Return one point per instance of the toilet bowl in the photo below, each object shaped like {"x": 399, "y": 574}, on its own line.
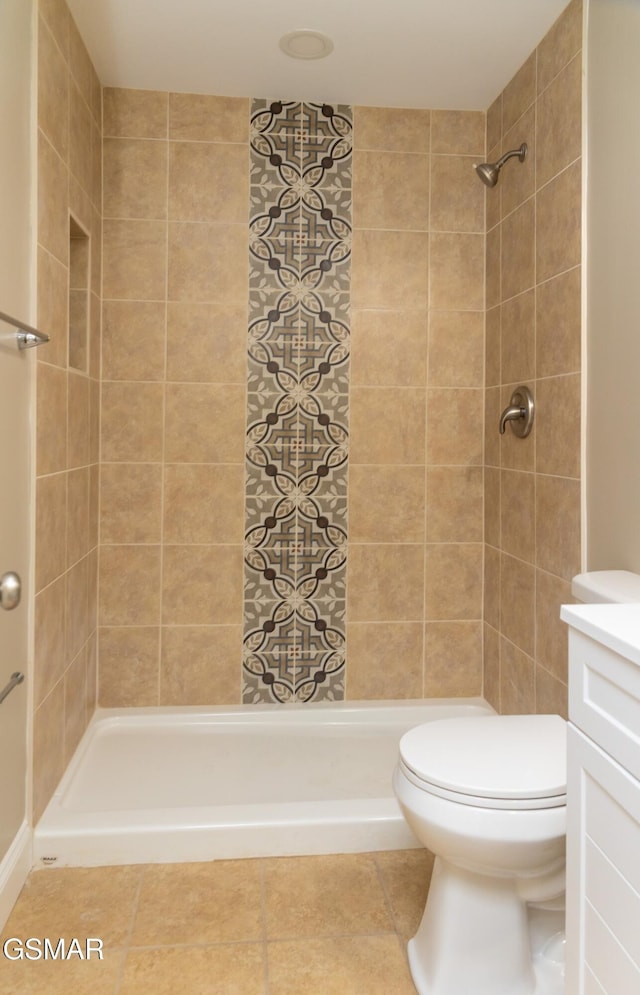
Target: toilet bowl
{"x": 487, "y": 795}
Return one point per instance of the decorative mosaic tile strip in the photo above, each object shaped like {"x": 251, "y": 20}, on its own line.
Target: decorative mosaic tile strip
{"x": 297, "y": 436}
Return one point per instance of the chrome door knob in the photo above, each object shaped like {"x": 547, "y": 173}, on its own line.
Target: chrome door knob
{"x": 10, "y": 591}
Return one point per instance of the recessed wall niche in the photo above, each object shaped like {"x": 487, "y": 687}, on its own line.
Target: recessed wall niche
{"x": 79, "y": 281}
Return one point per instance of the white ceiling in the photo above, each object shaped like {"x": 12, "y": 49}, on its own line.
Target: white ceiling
{"x": 454, "y": 54}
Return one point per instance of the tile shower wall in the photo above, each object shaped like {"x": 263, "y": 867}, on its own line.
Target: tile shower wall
{"x": 182, "y": 383}
{"x": 532, "y": 486}
{"x": 66, "y": 556}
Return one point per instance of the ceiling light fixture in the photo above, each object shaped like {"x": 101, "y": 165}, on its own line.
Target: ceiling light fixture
{"x": 306, "y": 44}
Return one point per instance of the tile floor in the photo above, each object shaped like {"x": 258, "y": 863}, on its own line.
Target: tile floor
{"x": 324, "y": 925}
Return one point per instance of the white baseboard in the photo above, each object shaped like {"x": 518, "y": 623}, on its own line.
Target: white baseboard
{"x": 14, "y": 870}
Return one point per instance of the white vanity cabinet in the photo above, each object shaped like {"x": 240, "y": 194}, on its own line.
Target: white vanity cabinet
{"x": 603, "y": 800}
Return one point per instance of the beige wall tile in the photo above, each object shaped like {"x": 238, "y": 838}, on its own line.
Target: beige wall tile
{"x": 520, "y": 93}
{"x": 492, "y": 565}
{"x": 131, "y": 502}
{"x": 203, "y": 503}
{"x": 77, "y": 515}
{"x": 49, "y": 638}
{"x": 454, "y": 504}
{"x": 392, "y": 129}
{"x": 79, "y": 424}
{"x": 129, "y": 585}
{"x": 517, "y": 603}
{"x": 53, "y": 217}
{"x": 559, "y": 404}
{"x": 129, "y": 666}
{"x": 491, "y": 672}
{"x": 517, "y": 502}
{"x": 202, "y": 585}
{"x": 390, "y": 190}
{"x": 48, "y": 748}
{"x": 205, "y": 423}
{"x": 552, "y": 696}
{"x": 389, "y": 269}
{"x": 558, "y": 224}
{"x": 551, "y": 631}
{"x": 135, "y": 113}
{"x": 458, "y": 132}
{"x": 387, "y": 425}
{"x": 56, "y": 16}
{"x": 385, "y": 583}
{"x": 75, "y": 703}
{"x": 560, "y": 44}
{"x": 135, "y": 178}
{"x": 492, "y": 411}
{"x": 135, "y": 260}
{"x": 133, "y": 340}
{"x": 518, "y": 345}
{"x": 53, "y": 306}
{"x": 493, "y": 332}
{"x": 131, "y": 422}
{"x": 384, "y": 660}
{"x": 559, "y": 123}
{"x": 453, "y": 659}
{"x": 53, "y": 90}
{"x": 207, "y": 342}
{"x": 518, "y": 251}
{"x": 518, "y": 179}
{"x": 396, "y": 514}
{"x": 454, "y": 426}
{"x": 196, "y": 117}
{"x": 517, "y": 682}
{"x": 77, "y": 613}
{"x": 558, "y": 324}
{"x": 208, "y": 182}
{"x": 494, "y": 122}
{"x": 457, "y": 198}
{"x": 51, "y": 517}
{"x": 51, "y": 419}
{"x": 493, "y": 267}
{"x": 207, "y": 262}
{"x": 388, "y": 348}
{"x": 456, "y": 272}
{"x": 200, "y": 664}
{"x": 492, "y": 505}
{"x": 456, "y": 343}
{"x": 80, "y": 140}
{"x": 453, "y": 586}
{"x": 558, "y": 525}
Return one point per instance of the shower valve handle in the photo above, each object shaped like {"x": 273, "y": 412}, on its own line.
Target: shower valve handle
{"x": 519, "y": 413}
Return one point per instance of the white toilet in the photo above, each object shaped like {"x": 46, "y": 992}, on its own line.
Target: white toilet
{"x": 487, "y": 795}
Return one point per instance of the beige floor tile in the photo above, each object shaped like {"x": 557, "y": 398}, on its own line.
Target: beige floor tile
{"x": 358, "y": 965}
{"x": 60, "y": 977}
{"x": 216, "y": 902}
{"x": 324, "y": 896}
{"x": 406, "y": 875}
{"x": 77, "y": 902}
{"x": 233, "y": 969}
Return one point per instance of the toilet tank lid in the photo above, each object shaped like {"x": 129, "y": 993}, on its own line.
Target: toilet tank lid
{"x": 606, "y": 586}
{"x": 495, "y": 756}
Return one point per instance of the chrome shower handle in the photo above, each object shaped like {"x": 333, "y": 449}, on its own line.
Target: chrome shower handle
{"x": 520, "y": 413}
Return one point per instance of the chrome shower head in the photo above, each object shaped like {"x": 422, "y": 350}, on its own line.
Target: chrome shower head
{"x": 490, "y": 171}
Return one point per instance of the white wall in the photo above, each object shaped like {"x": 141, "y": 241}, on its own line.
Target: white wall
{"x": 613, "y": 284}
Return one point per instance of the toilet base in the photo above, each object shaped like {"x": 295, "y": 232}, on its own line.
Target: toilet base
{"x": 475, "y": 937}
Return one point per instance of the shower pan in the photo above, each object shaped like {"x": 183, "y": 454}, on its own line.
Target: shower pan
{"x": 151, "y": 785}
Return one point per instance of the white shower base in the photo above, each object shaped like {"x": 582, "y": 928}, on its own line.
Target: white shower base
{"x": 150, "y": 785}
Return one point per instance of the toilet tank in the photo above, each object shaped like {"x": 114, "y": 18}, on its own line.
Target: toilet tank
{"x": 606, "y": 586}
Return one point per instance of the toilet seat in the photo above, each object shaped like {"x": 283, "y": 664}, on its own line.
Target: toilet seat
{"x": 498, "y": 761}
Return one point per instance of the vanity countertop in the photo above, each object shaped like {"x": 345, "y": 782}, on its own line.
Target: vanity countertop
{"x": 615, "y": 626}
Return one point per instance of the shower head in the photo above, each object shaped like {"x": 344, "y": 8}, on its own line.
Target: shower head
{"x": 489, "y": 171}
